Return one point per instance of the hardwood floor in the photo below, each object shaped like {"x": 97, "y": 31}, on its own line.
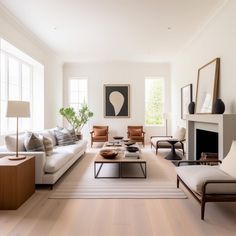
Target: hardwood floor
{"x": 144, "y": 217}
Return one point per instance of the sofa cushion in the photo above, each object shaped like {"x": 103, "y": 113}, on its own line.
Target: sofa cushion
{"x": 195, "y": 176}
{"x": 33, "y": 143}
{"x": 10, "y": 141}
{"x": 48, "y": 145}
{"x": 63, "y": 137}
{"x": 56, "y": 161}
{"x": 100, "y": 131}
{"x": 74, "y": 148}
{"x": 229, "y": 162}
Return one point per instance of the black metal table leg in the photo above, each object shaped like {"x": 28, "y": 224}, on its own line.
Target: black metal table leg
{"x": 97, "y": 173}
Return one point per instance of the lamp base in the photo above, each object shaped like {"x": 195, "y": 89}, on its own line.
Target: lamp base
{"x": 14, "y": 158}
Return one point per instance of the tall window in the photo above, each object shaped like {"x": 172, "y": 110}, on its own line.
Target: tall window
{"x": 154, "y": 100}
{"x": 78, "y": 92}
{"x": 18, "y": 81}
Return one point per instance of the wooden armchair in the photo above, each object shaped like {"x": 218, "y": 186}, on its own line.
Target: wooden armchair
{"x": 136, "y": 133}
{"x": 99, "y": 134}
{"x": 209, "y": 183}
{"x": 161, "y": 141}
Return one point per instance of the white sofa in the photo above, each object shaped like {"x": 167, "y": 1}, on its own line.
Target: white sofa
{"x": 48, "y": 169}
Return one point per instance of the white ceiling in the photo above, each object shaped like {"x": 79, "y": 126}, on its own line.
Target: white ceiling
{"x": 144, "y": 30}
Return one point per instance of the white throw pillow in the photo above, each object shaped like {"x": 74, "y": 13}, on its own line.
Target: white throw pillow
{"x": 180, "y": 133}
{"x": 10, "y": 142}
{"x": 229, "y": 162}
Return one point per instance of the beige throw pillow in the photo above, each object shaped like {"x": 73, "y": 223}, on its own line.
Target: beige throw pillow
{"x": 33, "y": 143}
{"x": 48, "y": 145}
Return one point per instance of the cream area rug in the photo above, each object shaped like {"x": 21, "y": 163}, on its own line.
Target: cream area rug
{"x": 79, "y": 181}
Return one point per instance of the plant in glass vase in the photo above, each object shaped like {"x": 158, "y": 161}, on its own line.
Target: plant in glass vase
{"x": 77, "y": 119}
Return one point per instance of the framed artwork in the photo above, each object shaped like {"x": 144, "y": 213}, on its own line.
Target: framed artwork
{"x": 186, "y": 98}
{"x": 116, "y": 100}
{"x": 207, "y": 86}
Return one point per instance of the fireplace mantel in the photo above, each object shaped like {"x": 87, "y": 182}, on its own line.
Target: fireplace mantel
{"x": 223, "y": 124}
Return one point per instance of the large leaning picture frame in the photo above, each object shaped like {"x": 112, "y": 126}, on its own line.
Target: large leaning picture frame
{"x": 186, "y": 98}
{"x": 207, "y": 87}
{"x": 116, "y": 100}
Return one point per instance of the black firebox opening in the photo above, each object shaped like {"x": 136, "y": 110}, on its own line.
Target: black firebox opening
{"x": 207, "y": 141}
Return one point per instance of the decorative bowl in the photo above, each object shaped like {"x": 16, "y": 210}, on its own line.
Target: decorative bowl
{"x": 132, "y": 149}
{"x": 129, "y": 143}
{"x": 126, "y": 140}
{"x": 118, "y": 137}
{"x": 108, "y": 153}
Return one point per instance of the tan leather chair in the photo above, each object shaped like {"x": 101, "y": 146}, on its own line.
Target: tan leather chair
{"x": 99, "y": 134}
{"x": 136, "y": 133}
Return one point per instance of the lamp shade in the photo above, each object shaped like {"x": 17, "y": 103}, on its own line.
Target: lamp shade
{"x": 18, "y": 109}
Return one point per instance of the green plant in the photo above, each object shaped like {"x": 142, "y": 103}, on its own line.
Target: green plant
{"x": 76, "y": 119}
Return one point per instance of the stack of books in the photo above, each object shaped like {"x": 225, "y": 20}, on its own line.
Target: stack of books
{"x": 132, "y": 154}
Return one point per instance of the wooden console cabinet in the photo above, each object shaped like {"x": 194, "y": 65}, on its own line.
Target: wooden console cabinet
{"x": 17, "y": 182}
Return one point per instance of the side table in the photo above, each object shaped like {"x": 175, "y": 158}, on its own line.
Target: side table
{"x": 17, "y": 182}
{"x": 173, "y": 155}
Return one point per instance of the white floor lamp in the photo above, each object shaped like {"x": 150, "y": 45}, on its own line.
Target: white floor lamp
{"x": 17, "y": 109}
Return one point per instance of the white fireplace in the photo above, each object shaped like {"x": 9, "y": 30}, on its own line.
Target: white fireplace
{"x": 223, "y": 124}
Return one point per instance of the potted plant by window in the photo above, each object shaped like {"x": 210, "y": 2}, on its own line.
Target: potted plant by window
{"x": 77, "y": 119}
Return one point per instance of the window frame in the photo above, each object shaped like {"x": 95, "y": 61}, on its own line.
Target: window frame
{"x": 69, "y": 90}
{"x": 163, "y": 97}
{"x": 7, "y": 55}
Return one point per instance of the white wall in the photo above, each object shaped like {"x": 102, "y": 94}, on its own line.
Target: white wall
{"x": 118, "y": 73}
{"x": 217, "y": 39}
{"x": 24, "y": 40}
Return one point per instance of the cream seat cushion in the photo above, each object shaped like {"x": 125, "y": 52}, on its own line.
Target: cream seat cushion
{"x": 164, "y": 144}
{"x": 195, "y": 176}
{"x": 56, "y": 161}
{"x": 73, "y": 148}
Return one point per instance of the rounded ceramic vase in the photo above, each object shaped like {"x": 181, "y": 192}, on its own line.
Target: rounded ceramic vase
{"x": 219, "y": 107}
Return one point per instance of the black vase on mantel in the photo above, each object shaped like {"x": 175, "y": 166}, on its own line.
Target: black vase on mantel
{"x": 191, "y": 107}
{"x": 219, "y": 107}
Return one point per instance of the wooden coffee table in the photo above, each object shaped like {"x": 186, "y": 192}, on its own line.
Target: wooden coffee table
{"x": 120, "y": 160}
